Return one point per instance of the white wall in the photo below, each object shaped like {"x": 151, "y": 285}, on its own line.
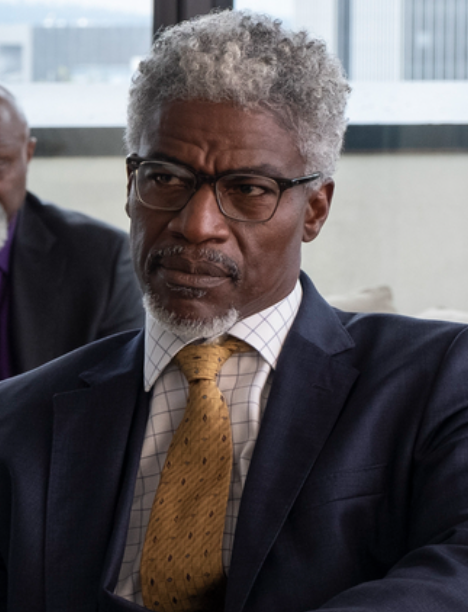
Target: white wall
{"x": 94, "y": 185}
{"x": 396, "y": 219}
{"x": 399, "y": 220}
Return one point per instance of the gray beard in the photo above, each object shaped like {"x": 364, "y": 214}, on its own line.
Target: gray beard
{"x": 3, "y": 226}
{"x": 189, "y": 329}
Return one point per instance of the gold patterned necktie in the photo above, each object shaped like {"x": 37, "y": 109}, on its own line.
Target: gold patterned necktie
{"x": 181, "y": 567}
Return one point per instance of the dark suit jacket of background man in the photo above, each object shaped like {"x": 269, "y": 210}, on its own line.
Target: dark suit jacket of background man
{"x": 72, "y": 282}
{"x": 357, "y": 494}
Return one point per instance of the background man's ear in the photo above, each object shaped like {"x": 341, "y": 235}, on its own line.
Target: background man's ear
{"x": 31, "y": 147}
{"x": 317, "y": 210}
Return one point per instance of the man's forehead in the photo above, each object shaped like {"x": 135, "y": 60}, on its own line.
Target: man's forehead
{"x": 222, "y": 130}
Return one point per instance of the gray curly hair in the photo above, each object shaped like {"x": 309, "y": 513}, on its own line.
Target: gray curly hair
{"x": 252, "y": 61}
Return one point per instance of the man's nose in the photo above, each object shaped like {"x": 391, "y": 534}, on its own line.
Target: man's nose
{"x": 201, "y": 220}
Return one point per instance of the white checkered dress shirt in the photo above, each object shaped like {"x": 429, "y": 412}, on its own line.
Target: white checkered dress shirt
{"x": 245, "y": 381}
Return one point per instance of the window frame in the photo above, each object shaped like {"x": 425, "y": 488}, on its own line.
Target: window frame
{"x": 108, "y": 141}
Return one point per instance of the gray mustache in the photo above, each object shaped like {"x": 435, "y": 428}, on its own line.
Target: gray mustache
{"x": 208, "y": 255}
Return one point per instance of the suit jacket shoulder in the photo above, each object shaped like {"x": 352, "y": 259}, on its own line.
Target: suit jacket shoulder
{"x": 72, "y": 283}
{"x": 358, "y": 484}
{"x": 70, "y": 433}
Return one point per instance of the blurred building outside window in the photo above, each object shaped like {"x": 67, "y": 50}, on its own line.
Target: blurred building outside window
{"x": 399, "y": 212}
{"x": 79, "y": 53}
{"x": 407, "y": 60}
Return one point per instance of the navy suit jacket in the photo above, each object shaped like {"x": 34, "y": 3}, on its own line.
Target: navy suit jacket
{"x": 72, "y": 283}
{"x": 356, "y": 498}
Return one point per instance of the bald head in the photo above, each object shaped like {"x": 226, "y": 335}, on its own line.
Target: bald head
{"x": 16, "y": 150}
{"x": 9, "y": 104}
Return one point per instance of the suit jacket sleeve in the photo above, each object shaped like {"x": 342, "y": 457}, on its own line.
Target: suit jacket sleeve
{"x": 356, "y": 498}
{"x": 433, "y": 574}
{"x": 3, "y": 587}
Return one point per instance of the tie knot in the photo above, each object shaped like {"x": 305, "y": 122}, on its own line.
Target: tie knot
{"x": 204, "y": 361}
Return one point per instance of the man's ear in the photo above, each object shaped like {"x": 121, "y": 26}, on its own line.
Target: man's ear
{"x": 317, "y": 210}
{"x": 31, "y": 147}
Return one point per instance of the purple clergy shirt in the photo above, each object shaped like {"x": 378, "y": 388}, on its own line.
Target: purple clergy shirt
{"x": 5, "y": 291}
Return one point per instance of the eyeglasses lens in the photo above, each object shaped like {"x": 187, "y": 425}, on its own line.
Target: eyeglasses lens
{"x": 249, "y": 197}
{"x": 164, "y": 186}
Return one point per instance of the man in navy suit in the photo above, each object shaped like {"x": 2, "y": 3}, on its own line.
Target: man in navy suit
{"x": 349, "y": 485}
{"x": 65, "y": 279}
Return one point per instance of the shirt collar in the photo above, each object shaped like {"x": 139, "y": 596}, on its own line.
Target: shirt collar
{"x": 265, "y": 331}
{"x": 5, "y": 251}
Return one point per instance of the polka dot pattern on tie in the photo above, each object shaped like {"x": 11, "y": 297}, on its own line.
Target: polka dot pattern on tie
{"x": 181, "y": 566}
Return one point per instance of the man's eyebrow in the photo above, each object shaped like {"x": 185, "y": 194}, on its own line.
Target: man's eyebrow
{"x": 158, "y": 156}
{"x": 263, "y": 169}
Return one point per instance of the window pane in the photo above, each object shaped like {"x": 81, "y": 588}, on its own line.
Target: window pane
{"x": 407, "y": 59}
{"x": 70, "y": 61}
{"x": 397, "y": 219}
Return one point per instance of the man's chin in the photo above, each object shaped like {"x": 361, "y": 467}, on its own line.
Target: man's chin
{"x": 186, "y": 327}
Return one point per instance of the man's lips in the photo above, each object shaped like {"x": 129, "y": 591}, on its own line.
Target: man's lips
{"x": 199, "y": 268}
{"x": 197, "y": 274}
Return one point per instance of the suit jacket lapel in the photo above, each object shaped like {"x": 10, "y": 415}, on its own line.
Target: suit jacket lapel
{"x": 34, "y": 257}
{"x": 98, "y": 430}
{"x": 309, "y": 389}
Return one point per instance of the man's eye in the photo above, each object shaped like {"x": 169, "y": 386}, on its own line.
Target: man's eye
{"x": 250, "y": 187}
{"x": 165, "y": 179}
{"x": 250, "y": 190}
{"x": 247, "y": 189}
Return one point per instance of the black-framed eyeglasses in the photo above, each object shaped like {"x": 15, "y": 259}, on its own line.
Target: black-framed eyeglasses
{"x": 165, "y": 186}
